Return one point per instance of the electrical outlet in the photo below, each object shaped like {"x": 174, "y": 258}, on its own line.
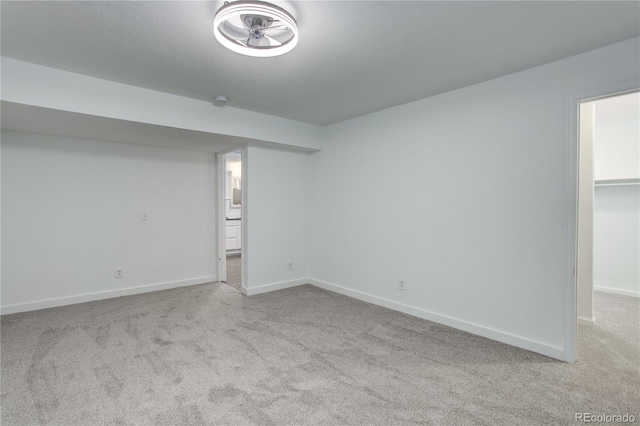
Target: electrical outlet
{"x": 291, "y": 266}
{"x": 119, "y": 273}
{"x": 401, "y": 285}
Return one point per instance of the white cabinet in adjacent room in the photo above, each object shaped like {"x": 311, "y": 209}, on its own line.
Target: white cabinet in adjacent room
{"x": 234, "y": 234}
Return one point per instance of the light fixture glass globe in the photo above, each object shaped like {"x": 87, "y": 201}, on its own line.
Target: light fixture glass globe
{"x": 255, "y": 28}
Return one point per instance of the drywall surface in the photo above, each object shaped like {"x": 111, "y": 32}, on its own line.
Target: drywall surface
{"x": 30, "y": 84}
{"x": 464, "y": 196}
{"x": 616, "y": 224}
{"x": 72, "y": 214}
{"x": 616, "y": 133}
{"x": 277, "y": 218}
{"x": 616, "y": 240}
{"x": 585, "y": 215}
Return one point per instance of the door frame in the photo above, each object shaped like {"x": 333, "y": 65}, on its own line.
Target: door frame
{"x": 572, "y": 185}
{"x": 221, "y": 214}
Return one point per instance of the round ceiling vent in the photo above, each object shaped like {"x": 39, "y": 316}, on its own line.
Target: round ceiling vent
{"x": 255, "y": 28}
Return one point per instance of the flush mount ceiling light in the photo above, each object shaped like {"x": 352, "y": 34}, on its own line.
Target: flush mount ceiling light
{"x": 255, "y": 28}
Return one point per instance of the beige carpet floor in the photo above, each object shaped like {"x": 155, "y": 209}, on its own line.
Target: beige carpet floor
{"x": 209, "y": 355}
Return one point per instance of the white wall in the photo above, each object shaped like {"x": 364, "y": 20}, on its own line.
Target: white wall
{"x": 278, "y": 185}
{"x": 71, "y": 215}
{"x": 616, "y": 240}
{"x": 616, "y": 224}
{"x": 235, "y": 167}
{"x": 482, "y": 235}
{"x": 585, "y": 215}
{"x": 617, "y": 130}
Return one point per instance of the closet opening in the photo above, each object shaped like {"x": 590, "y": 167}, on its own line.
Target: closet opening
{"x": 608, "y": 227}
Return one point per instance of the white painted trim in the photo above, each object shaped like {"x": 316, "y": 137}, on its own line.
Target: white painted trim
{"x": 100, "y": 295}
{"x": 612, "y": 290}
{"x": 221, "y": 216}
{"x": 274, "y": 286}
{"x": 571, "y": 186}
{"x": 489, "y": 333}
{"x": 587, "y": 321}
{"x": 244, "y": 220}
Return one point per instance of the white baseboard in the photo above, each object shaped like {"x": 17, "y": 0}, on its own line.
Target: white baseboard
{"x": 510, "y": 339}
{"x": 274, "y": 286}
{"x": 586, "y": 321}
{"x": 489, "y": 333}
{"x": 617, "y": 291}
{"x": 90, "y": 297}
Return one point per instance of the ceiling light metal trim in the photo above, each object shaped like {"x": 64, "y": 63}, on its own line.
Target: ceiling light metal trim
{"x": 257, "y": 20}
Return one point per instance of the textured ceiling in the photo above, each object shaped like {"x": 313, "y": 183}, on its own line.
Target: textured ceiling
{"x": 353, "y": 58}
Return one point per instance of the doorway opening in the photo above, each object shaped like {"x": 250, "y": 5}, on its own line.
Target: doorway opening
{"x": 608, "y": 228}
{"x": 232, "y": 247}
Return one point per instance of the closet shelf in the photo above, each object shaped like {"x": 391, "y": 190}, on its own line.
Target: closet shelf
{"x": 617, "y": 182}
